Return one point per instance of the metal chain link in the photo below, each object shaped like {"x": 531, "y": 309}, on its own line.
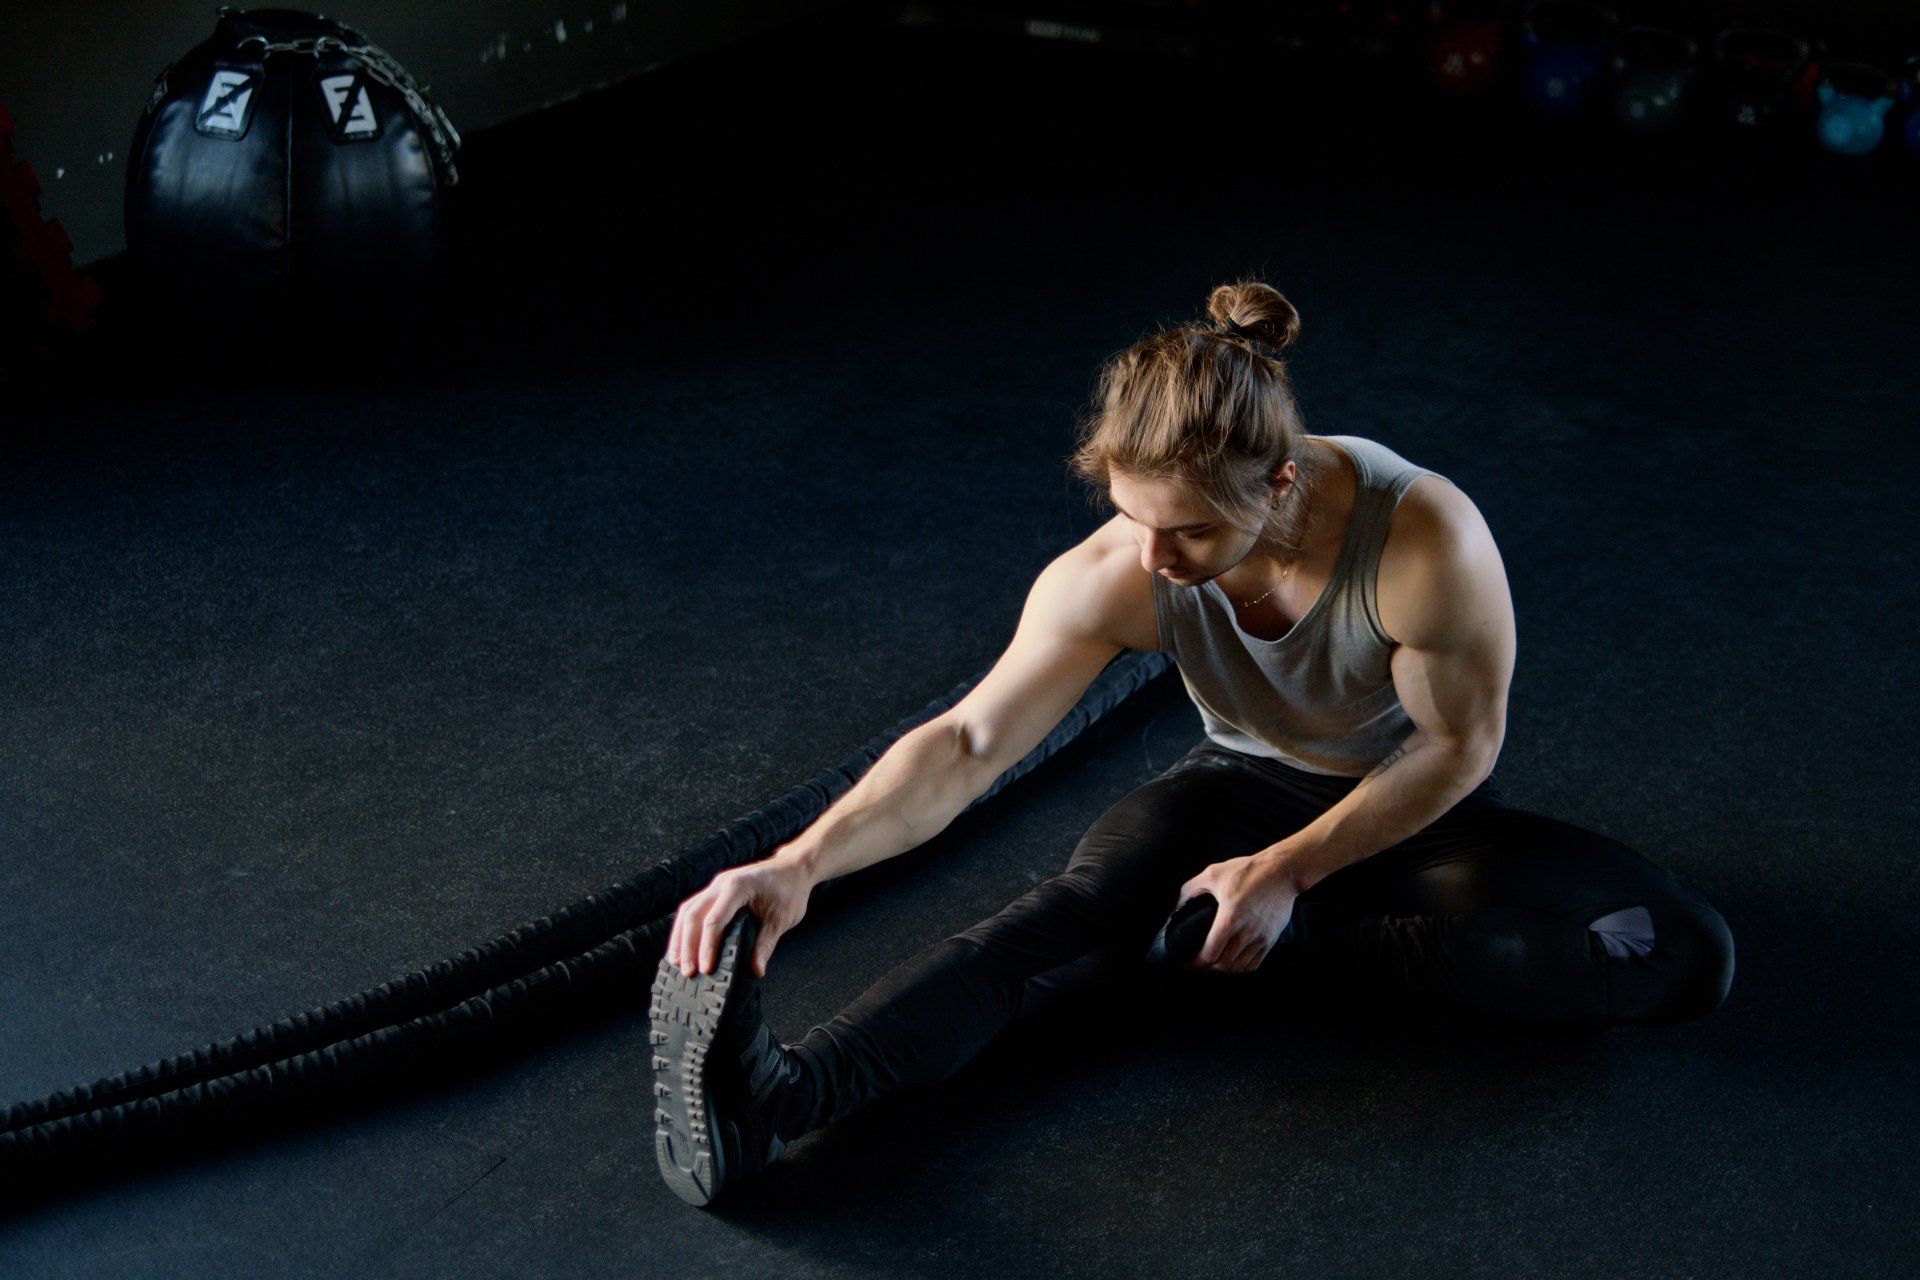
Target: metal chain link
{"x": 379, "y": 65}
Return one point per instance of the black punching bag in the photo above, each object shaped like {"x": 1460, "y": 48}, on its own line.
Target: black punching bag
{"x": 286, "y": 157}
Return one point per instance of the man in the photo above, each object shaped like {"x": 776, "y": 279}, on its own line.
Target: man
{"x": 1342, "y": 621}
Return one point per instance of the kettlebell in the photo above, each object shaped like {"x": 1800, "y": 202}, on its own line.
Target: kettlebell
{"x": 1755, "y": 70}
{"x": 1564, "y": 47}
{"x": 1910, "y": 103}
{"x": 1854, "y": 99}
{"x": 1652, "y": 68}
{"x": 1463, "y": 55}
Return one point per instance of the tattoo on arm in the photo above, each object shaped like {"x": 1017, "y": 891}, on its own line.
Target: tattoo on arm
{"x": 1385, "y": 764}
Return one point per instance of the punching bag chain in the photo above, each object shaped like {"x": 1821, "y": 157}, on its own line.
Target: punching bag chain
{"x": 378, "y": 64}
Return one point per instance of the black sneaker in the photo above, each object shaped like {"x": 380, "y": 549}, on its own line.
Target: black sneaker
{"x": 1184, "y": 933}
{"x": 723, "y": 1088}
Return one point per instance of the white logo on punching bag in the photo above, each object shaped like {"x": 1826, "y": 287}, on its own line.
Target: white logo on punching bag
{"x": 223, "y": 112}
{"x": 347, "y": 99}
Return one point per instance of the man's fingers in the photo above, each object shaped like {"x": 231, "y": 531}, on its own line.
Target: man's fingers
{"x": 716, "y": 928}
{"x": 1216, "y": 942}
{"x": 700, "y": 926}
{"x": 1226, "y": 951}
{"x": 687, "y": 951}
{"x": 690, "y": 940}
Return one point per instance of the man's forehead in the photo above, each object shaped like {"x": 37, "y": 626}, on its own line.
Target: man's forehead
{"x": 1160, "y": 504}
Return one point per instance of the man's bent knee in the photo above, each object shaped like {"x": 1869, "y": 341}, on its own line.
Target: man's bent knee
{"x": 1694, "y": 948}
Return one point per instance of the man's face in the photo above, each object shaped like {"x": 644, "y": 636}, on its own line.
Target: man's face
{"x": 1181, "y": 536}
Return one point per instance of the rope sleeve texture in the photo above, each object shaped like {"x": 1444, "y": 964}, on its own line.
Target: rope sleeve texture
{"x": 515, "y": 984}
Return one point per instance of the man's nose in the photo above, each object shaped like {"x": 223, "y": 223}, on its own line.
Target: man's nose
{"x": 1155, "y": 553}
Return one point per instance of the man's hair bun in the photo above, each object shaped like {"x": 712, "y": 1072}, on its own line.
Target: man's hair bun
{"x": 1257, "y": 311}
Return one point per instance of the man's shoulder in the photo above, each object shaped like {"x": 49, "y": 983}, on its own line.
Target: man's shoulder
{"x": 1431, "y": 509}
{"x": 1437, "y": 542}
{"x": 1100, "y": 584}
{"x": 1433, "y": 499}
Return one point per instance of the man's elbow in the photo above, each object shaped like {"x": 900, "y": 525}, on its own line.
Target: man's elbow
{"x": 1478, "y": 754}
{"x": 1473, "y": 754}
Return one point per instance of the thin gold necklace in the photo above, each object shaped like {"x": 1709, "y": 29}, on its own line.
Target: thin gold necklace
{"x": 1248, "y": 604}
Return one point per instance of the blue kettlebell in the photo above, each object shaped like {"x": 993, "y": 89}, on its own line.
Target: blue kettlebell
{"x": 1910, "y": 97}
{"x": 1564, "y": 49}
{"x": 1854, "y": 100}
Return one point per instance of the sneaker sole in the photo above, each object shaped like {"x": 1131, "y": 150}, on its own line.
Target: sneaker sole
{"x": 686, "y": 1013}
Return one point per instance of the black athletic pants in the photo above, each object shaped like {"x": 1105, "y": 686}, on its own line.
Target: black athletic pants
{"x": 1489, "y": 908}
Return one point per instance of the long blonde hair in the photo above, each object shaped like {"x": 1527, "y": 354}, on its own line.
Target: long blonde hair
{"x": 1208, "y": 407}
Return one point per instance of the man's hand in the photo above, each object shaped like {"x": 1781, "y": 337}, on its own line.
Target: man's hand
{"x": 775, "y": 889}
{"x": 1256, "y": 896}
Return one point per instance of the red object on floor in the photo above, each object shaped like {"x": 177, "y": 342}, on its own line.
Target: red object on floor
{"x": 52, "y": 299}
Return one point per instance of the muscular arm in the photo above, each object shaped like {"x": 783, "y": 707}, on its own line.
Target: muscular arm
{"x": 1446, "y": 603}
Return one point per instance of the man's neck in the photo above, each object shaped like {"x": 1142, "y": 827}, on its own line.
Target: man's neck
{"x": 1301, "y": 537}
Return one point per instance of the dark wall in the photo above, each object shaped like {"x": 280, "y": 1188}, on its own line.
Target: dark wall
{"x": 74, "y": 73}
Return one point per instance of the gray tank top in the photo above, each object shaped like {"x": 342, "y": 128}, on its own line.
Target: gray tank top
{"x": 1321, "y": 697}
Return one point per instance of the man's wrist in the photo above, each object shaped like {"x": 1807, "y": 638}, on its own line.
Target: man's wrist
{"x": 801, "y": 854}
{"x": 1285, "y": 863}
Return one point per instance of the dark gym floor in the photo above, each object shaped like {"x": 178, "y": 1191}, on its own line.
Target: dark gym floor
{"x": 740, "y": 439}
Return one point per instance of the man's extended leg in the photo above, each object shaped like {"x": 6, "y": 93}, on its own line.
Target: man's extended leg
{"x": 728, "y": 1096}
{"x": 929, "y": 1016}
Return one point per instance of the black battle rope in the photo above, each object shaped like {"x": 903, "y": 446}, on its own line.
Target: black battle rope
{"x": 601, "y": 943}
